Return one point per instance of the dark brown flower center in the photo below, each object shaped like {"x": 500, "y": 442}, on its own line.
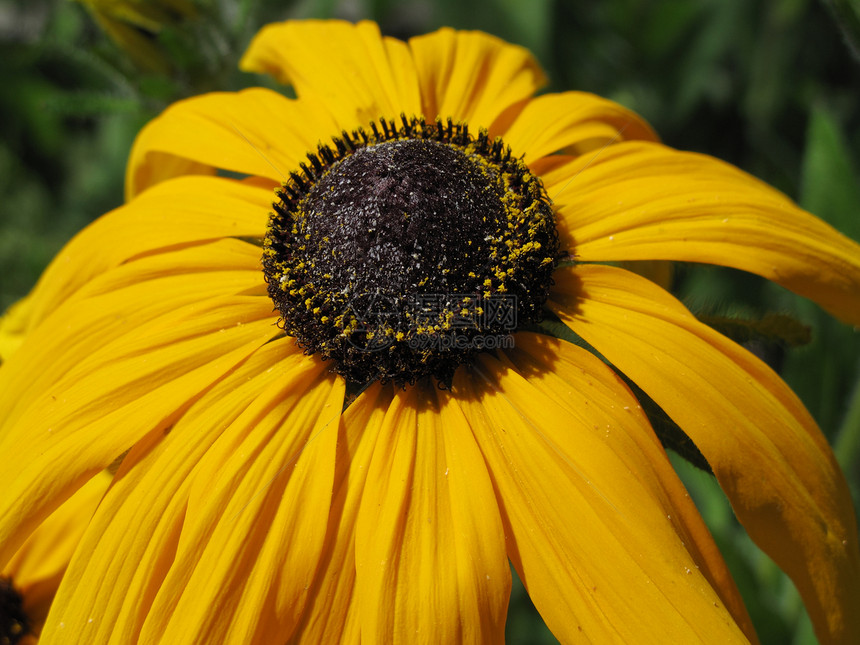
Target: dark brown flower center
{"x": 14, "y": 623}
{"x": 399, "y": 253}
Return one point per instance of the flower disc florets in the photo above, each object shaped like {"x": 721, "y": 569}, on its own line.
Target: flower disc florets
{"x": 400, "y": 252}
{"x": 14, "y": 624}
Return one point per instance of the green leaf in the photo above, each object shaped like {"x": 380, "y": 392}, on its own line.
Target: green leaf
{"x": 847, "y": 446}
{"x": 91, "y": 103}
{"x": 829, "y": 185}
{"x": 823, "y": 372}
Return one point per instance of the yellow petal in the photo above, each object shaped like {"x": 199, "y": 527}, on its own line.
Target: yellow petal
{"x": 154, "y": 167}
{"x": 228, "y": 256}
{"x": 594, "y": 541}
{"x": 256, "y": 132}
{"x": 38, "y": 566}
{"x": 157, "y": 506}
{"x": 588, "y": 390}
{"x": 769, "y": 457}
{"x": 185, "y": 211}
{"x": 572, "y": 120}
{"x": 256, "y": 519}
{"x": 13, "y": 327}
{"x": 643, "y": 201}
{"x": 332, "y": 611}
{"x": 430, "y": 549}
{"x": 116, "y": 304}
{"x": 350, "y": 69}
{"x": 472, "y": 76}
{"x": 130, "y": 387}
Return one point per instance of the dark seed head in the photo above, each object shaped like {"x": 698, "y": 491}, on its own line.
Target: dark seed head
{"x": 14, "y": 624}
{"x": 398, "y": 253}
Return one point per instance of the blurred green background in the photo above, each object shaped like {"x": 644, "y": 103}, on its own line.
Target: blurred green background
{"x": 771, "y": 86}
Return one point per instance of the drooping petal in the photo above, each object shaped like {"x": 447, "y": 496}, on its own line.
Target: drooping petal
{"x": 38, "y": 566}
{"x": 332, "y": 611}
{"x": 430, "y": 549}
{"x": 167, "y": 496}
{"x": 182, "y": 212}
{"x": 119, "y": 302}
{"x": 587, "y": 518}
{"x": 256, "y": 132}
{"x": 472, "y": 76}
{"x": 355, "y": 73}
{"x": 769, "y": 457}
{"x": 256, "y": 518}
{"x": 135, "y": 385}
{"x": 643, "y": 201}
{"x": 588, "y": 390}
{"x": 572, "y": 120}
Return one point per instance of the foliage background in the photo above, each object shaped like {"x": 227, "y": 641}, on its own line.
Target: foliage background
{"x": 769, "y": 85}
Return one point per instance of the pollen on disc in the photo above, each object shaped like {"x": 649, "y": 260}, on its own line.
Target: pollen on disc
{"x": 391, "y": 245}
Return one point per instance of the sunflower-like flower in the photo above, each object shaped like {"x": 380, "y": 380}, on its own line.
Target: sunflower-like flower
{"x": 298, "y": 336}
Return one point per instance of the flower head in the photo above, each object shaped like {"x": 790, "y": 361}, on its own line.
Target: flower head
{"x": 263, "y": 353}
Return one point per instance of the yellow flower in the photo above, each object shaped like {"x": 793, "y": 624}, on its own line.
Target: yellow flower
{"x": 252, "y": 507}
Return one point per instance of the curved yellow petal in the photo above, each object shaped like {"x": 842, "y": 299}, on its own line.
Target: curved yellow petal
{"x": 592, "y": 538}
{"x": 643, "y": 201}
{"x": 769, "y": 457}
{"x": 227, "y": 256}
{"x": 38, "y": 566}
{"x": 118, "y": 303}
{"x": 256, "y": 132}
{"x": 571, "y": 120}
{"x": 585, "y": 387}
{"x": 13, "y": 327}
{"x": 430, "y": 549}
{"x": 256, "y": 519}
{"x": 146, "y": 516}
{"x": 182, "y": 212}
{"x": 332, "y": 611}
{"x": 154, "y": 167}
{"x": 350, "y": 69}
{"x": 130, "y": 387}
{"x": 472, "y": 76}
